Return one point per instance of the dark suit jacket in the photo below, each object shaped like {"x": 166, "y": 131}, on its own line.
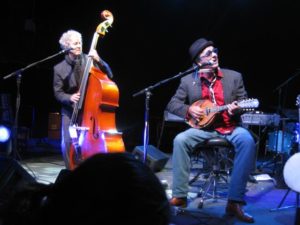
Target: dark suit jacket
{"x": 189, "y": 91}
{"x": 65, "y": 84}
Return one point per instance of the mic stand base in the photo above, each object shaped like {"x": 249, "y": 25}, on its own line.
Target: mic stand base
{"x": 146, "y": 127}
{"x": 279, "y": 207}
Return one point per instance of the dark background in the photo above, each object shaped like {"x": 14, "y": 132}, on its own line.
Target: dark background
{"x": 149, "y": 42}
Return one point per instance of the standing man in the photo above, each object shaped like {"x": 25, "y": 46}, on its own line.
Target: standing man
{"x": 221, "y": 87}
{"x": 67, "y": 79}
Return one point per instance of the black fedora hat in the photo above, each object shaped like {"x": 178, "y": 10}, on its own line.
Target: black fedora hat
{"x": 198, "y": 46}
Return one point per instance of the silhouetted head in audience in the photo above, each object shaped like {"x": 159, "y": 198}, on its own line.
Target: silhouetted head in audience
{"x": 22, "y": 204}
{"x": 112, "y": 188}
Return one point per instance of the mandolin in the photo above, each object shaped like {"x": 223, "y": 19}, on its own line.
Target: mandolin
{"x": 211, "y": 111}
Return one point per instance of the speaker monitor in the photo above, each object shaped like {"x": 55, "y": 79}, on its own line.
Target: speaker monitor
{"x": 156, "y": 159}
{"x": 13, "y": 177}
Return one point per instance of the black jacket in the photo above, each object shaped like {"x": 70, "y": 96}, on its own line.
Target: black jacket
{"x": 65, "y": 83}
{"x": 189, "y": 91}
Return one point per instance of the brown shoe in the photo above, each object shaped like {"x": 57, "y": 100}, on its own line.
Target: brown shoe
{"x": 179, "y": 202}
{"x": 236, "y": 209}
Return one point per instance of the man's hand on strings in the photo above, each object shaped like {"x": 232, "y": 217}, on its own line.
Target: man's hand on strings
{"x": 93, "y": 53}
{"x": 75, "y": 97}
{"x": 195, "y": 111}
{"x": 232, "y": 107}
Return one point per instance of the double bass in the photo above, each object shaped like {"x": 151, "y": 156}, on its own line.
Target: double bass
{"x": 93, "y": 127}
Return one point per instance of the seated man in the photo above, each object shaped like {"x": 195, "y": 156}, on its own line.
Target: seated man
{"x": 219, "y": 87}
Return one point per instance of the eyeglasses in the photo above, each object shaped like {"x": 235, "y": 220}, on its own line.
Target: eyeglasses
{"x": 210, "y": 52}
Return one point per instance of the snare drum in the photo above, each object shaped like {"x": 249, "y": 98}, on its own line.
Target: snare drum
{"x": 274, "y": 142}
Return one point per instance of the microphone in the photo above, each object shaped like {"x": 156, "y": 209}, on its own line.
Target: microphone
{"x": 205, "y": 64}
{"x": 66, "y": 50}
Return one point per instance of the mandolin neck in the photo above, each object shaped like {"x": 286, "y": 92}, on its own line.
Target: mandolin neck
{"x": 216, "y": 109}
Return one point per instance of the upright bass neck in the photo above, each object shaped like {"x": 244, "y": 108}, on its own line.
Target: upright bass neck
{"x": 100, "y": 32}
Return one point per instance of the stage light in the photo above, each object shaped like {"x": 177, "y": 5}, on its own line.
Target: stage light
{"x": 4, "y": 134}
{"x": 5, "y": 140}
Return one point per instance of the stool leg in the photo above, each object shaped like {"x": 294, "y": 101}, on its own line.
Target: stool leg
{"x": 195, "y": 177}
{"x": 211, "y": 181}
{"x": 214, "y": 193}
{"x": 204, "y": 192}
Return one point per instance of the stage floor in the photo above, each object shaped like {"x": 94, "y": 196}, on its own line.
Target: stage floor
{"x": 262, "y": 197}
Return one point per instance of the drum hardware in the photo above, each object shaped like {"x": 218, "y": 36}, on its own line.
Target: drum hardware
{"x": 291, "y": 176}
{"x": 291, "y": 173}
{"x": 279, "y": 141}
{"x": 274, "y": 143}
{"x": 260, "y": 123}
{"x": 259, "y": 135}
{"x": 274, "y": 164}
{"x": 297, "y": 134}
{"x": 282, "y": 143}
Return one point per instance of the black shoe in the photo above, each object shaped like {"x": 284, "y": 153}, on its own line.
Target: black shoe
{"x": 236, "y": 209}
{"x": 179, "y": 202}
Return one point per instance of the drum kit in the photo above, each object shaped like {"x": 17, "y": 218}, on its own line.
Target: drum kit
{"x": 279, "y": 136}
{"x": 291, "y": 167}
{"x": 280, "y": 142}
{"x": 281, "y": 145}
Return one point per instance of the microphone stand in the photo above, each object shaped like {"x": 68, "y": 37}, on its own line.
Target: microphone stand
{"x": 147, "y": 92}
{"x": 279, "y": 89}
{"x": 280, "y": 112}
{"x": 18, "y": 75}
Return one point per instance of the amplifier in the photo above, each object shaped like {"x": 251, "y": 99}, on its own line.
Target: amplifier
{"x": 261, "y": 119}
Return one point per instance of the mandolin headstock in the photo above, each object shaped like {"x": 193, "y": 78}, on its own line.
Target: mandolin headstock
{"x": 248, "y": 104}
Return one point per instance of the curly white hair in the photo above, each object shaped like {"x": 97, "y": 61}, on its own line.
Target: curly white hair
{"x": 65, "y": 39}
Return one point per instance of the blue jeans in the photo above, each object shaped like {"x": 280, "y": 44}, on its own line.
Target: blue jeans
{"x": 184, "y": 144}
